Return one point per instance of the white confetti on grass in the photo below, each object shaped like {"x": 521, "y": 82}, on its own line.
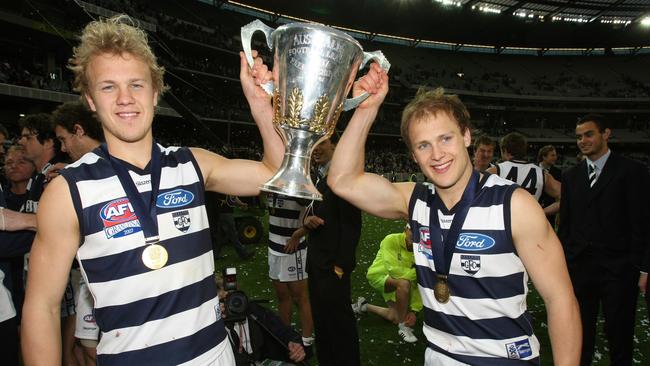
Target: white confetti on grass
{"x": 378, "y": 339}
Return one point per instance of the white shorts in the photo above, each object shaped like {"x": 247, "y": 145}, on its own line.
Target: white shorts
{"x": 85, "y": 328}
{"x": 288, "y": 268}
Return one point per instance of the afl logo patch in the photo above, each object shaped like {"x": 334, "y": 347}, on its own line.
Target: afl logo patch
{"x": 176, "y": 198}
{"x": 474, "y": 242}
{"x": 119, "y": 218}
{"x": 89, "y": 318}
{"x": 117, "y": 211}
{"x": 424, "y": 243}
{"x": 425, "y": 237}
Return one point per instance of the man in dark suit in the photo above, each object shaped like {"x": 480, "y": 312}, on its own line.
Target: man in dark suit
{"x": 602, "y": 230}
{"x": 334, "y": 231}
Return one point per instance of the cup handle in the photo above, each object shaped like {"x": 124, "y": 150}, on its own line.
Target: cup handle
{"x": 247, "y": 32}
{"x": 378, "y": 56}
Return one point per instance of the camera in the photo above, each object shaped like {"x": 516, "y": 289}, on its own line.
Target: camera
{"x": 236, "y": 301}
{"x": 229, "y": 276}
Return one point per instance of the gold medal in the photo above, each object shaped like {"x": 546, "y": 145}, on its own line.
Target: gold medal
{"x": 441, "y": 289}
{"x": 154, "y": 256}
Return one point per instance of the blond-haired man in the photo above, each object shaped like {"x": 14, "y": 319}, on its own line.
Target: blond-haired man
{"x": 133, "y": 214}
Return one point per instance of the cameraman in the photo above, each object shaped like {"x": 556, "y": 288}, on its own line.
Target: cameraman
{"x": 256, "y": 333}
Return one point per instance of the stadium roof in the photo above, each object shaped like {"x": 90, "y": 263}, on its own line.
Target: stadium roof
{"x": 587, "y": 25}
{"x": 617, "y": 12}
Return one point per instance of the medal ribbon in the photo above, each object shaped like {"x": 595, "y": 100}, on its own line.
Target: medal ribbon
{"x": 443, "y": 246}
{"x": 145, "y": 211}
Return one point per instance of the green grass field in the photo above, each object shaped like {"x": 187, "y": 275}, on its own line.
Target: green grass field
{"x": 380, "y": 344}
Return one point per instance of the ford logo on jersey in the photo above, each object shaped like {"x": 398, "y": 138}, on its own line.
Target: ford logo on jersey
{"x": 474, "y": 242}
{"x": 176, "y": 198}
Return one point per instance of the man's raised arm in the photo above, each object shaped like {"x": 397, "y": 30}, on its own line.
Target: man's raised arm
{"x": 370, "y": 192}
{"x": 52, "y": 253}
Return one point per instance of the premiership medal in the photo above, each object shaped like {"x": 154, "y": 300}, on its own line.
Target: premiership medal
{"x": 443, "y": 244}
{"x": 441, "y": 289}
{"x": 154, "y": 256}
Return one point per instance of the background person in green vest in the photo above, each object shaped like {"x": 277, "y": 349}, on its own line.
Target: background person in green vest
{"x": 393, "y": 274}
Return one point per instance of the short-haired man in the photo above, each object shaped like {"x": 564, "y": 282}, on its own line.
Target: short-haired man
{"x": 288, "y": 260}
{"x": 41, "y": 147}
{"x": 16, "y": 235}
{"x": 603, "y": 228}
{"x": 18, "y": 171}
{"x": 39, "y": 142}
{"x": 133, "y": 214}
{"x": 483, "y": 152}
{"x": 260, "y": 337}
{"x": 77, "y": 129}
{"x": 13, "y": 236}
{"x": 476, "y": 237}
{"x": 515, "y": 168}
{"x": 334, "y": 228}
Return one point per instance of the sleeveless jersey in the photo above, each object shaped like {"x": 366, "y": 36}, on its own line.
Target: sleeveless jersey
{"x": 527, "y": 175}
{"x": 285, "y": 216}
{"x": 485, "y": 321}
{"x": 167, "y": 316}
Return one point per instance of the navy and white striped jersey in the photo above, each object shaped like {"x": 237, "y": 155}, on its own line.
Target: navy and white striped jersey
{"x": 286, "y": 215}
{"x": 485, "y": 321}
{"x": 527, "y": 175}
{"x": 167, "y": 316}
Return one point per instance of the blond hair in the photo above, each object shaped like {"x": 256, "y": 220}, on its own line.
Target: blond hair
{"x": 116, "y": 35}
{"x": 430, "y": 103}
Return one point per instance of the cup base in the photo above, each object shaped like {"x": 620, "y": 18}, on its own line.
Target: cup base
{"x": 303, "y": 194}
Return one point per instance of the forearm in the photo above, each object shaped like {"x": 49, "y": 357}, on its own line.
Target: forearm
{"x": 565, "y": 330}
{"x": 12, "y": 220}
{"x": 551, "y": 186}
{"x": 252, "y": 77}
{"x": 300, "y": 232}
{"x": 271, "y": 140}
{"x": 40, "y": 335}
{"x": 552, "y": 209}
{"x": 349, "y": 157}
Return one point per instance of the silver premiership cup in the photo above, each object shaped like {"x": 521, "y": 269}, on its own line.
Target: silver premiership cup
{"x": 314, "y": 68}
